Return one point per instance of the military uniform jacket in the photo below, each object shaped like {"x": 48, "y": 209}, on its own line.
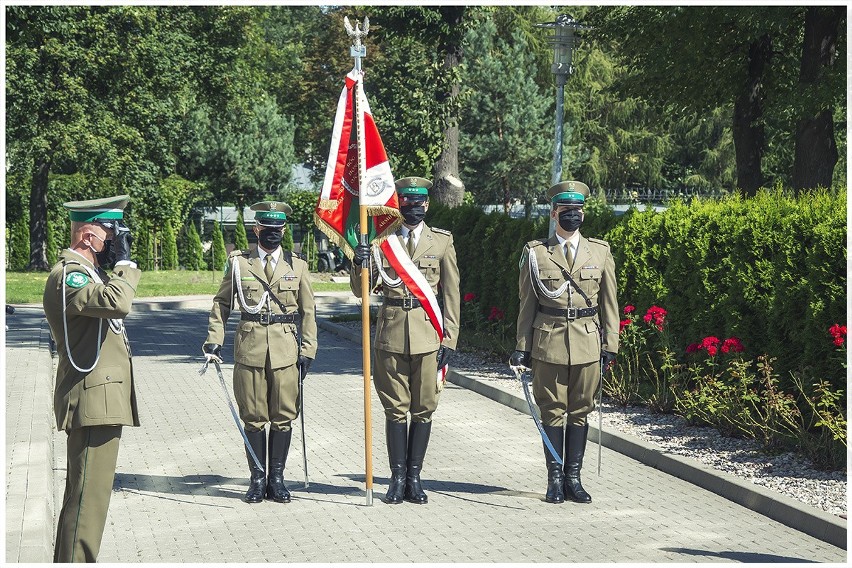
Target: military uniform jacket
{"x": 555, "y": 339}
{"x": 104, "y": 396}
{"x": 291, "y": 285}
{"x": 410, "y": 331}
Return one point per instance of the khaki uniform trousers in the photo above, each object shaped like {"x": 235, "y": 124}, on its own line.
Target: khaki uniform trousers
{"x": 560, "y": 389}
{"x": 265, "y": 394}
{"x": 92, "y": 455}
{"x": 407, "y": 383}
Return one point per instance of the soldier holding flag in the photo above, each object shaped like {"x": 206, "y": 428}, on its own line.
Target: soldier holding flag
{"x": 414, "y": 338}
{"x": 273, "y": 292}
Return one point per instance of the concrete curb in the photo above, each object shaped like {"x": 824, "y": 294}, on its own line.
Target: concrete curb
{"x": 781, "y": 508}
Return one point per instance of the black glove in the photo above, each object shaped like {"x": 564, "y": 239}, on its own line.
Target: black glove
{"x": 521, "y": 359}
{"x": 444, "y": 355}
{"x": 121, "y": 243}
{"x": 362, "y": 252}
{"x": 304, "y": 364}
{"x": 607, "y": 358}
{"x": 212, "y": 351}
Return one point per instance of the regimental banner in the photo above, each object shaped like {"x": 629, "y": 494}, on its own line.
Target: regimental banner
{"x": 337, "y": 211}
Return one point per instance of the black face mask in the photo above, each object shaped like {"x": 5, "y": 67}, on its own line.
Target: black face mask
{"x": 413, "y": 214}
{"x": 106, "y": 256}
{"x": 270, "y": 238}
{"x": 570, "y": 219}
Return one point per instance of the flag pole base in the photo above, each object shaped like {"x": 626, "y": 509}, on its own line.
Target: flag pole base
{"x": 369, "y": 497}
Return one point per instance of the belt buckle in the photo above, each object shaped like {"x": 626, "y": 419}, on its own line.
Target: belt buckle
{"x": 264, "y": 318}
{"x": 572, "y": 313}
{"x": 407, "y": 304}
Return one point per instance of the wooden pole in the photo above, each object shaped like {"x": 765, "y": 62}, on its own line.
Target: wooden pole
{"x": 365, "y": 297}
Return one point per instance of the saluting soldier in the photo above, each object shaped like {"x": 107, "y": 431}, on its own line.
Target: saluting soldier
{"x": 272, "y": 288}
{"x": 408, "y": 351}
{"x": 94, "y": 394}
{"x": 568, "y": 322}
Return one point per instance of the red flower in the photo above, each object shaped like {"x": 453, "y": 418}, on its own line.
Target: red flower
{"x": 628, "y": 309}
{"x": 693, "y": 347}
{"x": 624, "y": 323}
{"x": 710, "y": 341}
{"x": 838, "y": 332}
{"x": 469, "y": 297}
{"x": 732, "y": 344}
{"x": 711, "y": 350}
{"x": 657, "y": 315}
{"x": 496, "y": 314}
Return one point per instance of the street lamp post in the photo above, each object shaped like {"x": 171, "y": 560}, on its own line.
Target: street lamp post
{"x": 563, "y": 41}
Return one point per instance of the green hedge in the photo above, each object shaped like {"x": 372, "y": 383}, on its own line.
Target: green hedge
{"x": 770, "y": 270}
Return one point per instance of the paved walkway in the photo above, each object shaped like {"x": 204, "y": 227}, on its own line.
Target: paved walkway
{"x": 182, "y": 474}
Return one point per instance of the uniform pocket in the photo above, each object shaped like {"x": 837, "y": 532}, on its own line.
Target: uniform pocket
{"x": 251, "y": 291}
{"x": 104, "y": 395}
{"x": 590, "y": 274}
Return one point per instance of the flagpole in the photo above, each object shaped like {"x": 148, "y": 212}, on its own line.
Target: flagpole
{"x": 358, "y": 50}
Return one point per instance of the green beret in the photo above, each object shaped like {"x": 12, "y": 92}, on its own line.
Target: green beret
{"x": 568, "y": 193}
{"x": 94, "y": 210}
{"x": 271, "y": 213}
{"x": 413, "y": 186}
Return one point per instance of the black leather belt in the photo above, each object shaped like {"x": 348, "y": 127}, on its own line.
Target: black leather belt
{"x": 569, "y": 313}
{"x": 266, "y": 318}
{"x": 404, "y": 303}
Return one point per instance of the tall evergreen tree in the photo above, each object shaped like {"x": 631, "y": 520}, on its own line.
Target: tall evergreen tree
{"x": 170, "y": 251}
{"x": 240, "y": 237}
{"x": 504, "y": 146}
{"x": 219, "y": 256}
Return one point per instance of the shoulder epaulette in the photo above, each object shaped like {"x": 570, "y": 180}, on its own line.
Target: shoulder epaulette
{"x": 239, "y": 252}
{"x": 537, "y": 242}
{"x": 442, "y": 231}
{"x": 298, "y": 255}
{"x": 598, "y": 242}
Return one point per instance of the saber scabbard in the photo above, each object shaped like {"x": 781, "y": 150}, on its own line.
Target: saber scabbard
{"x": 302, "y": 419}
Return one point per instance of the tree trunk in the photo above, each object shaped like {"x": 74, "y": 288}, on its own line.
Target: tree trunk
{"x": 38, "y": 215}
{"x": 816, "y": 149}
{"x": 749, "y": 137}
{"x": 448, "y": 187}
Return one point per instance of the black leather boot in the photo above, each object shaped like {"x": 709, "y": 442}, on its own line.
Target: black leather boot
{"x": 257, "y": 483}
{"x": 575, "y": 447}
{"x": 279, "y": 446}
{"x": 396, "y": 434}
{"x": 555, "y": 492}
{"x": 418, "y": 440}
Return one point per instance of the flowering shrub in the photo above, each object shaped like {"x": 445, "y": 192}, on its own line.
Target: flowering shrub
{"x": 715, "y": 385}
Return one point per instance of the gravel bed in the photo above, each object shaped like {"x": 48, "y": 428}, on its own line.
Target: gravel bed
{"x": 787, "y": 473}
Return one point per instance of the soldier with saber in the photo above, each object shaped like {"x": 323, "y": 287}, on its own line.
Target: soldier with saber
{"x": 273, "y": 294}
{"x": 567, "y": 330}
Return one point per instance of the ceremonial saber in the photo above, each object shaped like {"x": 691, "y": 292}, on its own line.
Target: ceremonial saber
{"x": 233, "y": 411}
{"x": 525, "y": 376}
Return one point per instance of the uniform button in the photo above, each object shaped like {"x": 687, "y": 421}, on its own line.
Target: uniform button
{"x": 108, "y": 377}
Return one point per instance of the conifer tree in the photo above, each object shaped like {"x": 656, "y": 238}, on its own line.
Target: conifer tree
{"x": 240, "y": 237}
{"x": 219, "y": 255}
{"x": 170, "y": 252}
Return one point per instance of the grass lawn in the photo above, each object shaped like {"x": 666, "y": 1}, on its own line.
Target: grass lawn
{"x": 28, "y": 287}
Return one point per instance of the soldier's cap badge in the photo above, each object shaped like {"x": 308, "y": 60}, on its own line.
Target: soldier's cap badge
{"x": 413, "y": 186}
{"x": 271, "y": 213}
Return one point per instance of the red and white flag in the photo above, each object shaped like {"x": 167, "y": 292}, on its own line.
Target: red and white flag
{"x": 337, "y": 212}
